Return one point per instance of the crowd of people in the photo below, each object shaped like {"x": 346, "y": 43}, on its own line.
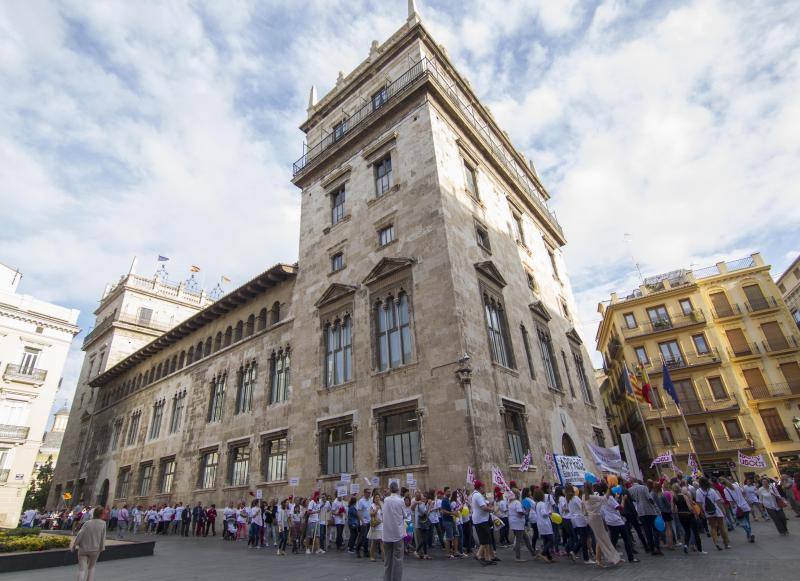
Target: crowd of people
{"x": 584, "y": 524}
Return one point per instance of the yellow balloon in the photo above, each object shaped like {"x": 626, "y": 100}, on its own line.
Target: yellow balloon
{"x": 465, "y": 511}
{"x": 556, "y": 518}
{"x": 612, "y": 479}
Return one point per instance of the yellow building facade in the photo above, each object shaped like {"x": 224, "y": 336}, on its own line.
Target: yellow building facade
{"x": 733, "y": 353}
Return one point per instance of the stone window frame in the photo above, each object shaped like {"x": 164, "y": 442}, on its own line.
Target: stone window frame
{"x": 284, "y": 355}
{"x": 176, "y": 416}
{"x": 482, "y": 238}
{"x": 323, "y": 427}
{"x": 231, "y": 466}
{"x": 146, "y": 469}
{"x": 337, "y": 261}
{"x": 266, "y": 443}
{"x": 162, "y": 474}
{"x": 156, "y": 419}
{"x": 203, "y": 466}
{"x": 122, "y": 489}
{"x": 493, "y": 294}
{"x": 510, "y": 409}
{"x": 583, "y": 379}
{"x": 333, "y": 317}
{"x": 216, "y": 399}
{"x": 246, "y": 380}
{"x": 526, "y": 344}
{"x": 545, "y": 340}
{"x": 338, "y": 210}
{"x": 133, "y": 427}
{"x": 380, "y": 414}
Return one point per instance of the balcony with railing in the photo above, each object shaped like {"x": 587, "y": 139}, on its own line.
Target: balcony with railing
{"x": 673, "y": 321}
{"x": 774, "y": 390}
{"x": 24, "y": 374}
{"x": 745, "y": 350}
{"x": 669, "y": 409}
{"x": 431, "y": 69}
{"x": 732, "y": 310}
{"x": 714, "y": 444}
{"x": 780, "y": 345}
{"x": 614, "y": 348}
{"x": 683, "y": 361}
{"x": 761, "y": 304}
{"x": 9, "y": 432}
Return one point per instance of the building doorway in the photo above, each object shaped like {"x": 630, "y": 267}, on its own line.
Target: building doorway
{"x": 567, "y": 446}
{"x": 102, "y": 496}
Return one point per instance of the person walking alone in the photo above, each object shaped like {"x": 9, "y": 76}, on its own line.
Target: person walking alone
{"x": 89, "y": 543}
{"x": 394, "y": 530}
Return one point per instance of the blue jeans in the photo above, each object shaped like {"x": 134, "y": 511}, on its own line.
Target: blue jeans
{"x": 745, "y": 522}
{"x": 322, "y": 537}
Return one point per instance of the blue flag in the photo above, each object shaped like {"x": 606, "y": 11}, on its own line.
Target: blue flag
{"x": 669, "y": 387}
{"x": 162, "y": 258}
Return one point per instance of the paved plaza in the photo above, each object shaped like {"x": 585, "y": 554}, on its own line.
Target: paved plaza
{"x": 184, "y": 559}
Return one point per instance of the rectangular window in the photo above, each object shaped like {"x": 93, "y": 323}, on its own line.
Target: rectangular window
{"x": 755, "y": 298}
{"x": 337, "y": 205}
{"x": 774, "y": 425}
{"x": 776, "y": 341}
{"x": 482, "y": 236}
{"x": 133, "y": 428}
{"x": 630, "y": 320}
{"x": 30, "y": 357}
{"x": 400, "y": 433}
{"x": 145, "y": 479}
{"x": 528, "y": 356}
{"x": 339, "y": 130}
{"x": 393, "y": 332}
{"x": 659, "y": 316}
{"x": 549, "y": 360}
{"x": 701, "y": 438}
{"x": 337, "y": 262}
{"x": 217, "y": 399}
{"x": 738, "y": 342}
{"x": 700, "y": 344}
{"x": 178, "y": 403}
{"x": 717, "y": 388}
{"x": 686, "y": 306}
{"x": 497, "y": 327}
{"x": 239, "y": 465}
{"x": 641, "y": 355}
{"x": 383, "y": 175}
{"x": 280, "y": 363}
{"x": 733, "y": 429}
{"x": 155, "y": 423}
{"x": 519, "y": 231}
{"x": 599, "y": 436}
{"x": 123, "y": 482}
{"x": 338, "y": 352}
{"x": 582, "y": 378}
{"x": 144, "y": 317}
{"x": 379, "y": 98}
{"x": 116, "y": 433}
{"x": 337, "y": 449}
{"x": 275, "y": 451}
{"x": 671, "y": 354}
{"x": 208, "y": 469}
{"x": 722, "y": 307}
{"x": 244, "y": 392}
{"x": 167, "y": 475}
{"x": 471, "y": 180}
{"x": 666, "y": 436}
{"x": 386, "y": 235}
{"x": 687, "y": 395}
{"x": 516, "y": 434}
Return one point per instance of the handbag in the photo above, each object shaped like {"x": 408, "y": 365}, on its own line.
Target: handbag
{"x": 739, "y": 513}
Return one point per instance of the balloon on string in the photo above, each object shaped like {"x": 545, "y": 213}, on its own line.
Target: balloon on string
{"x": 556, "y": 518}
{"x": 612, "y": 479}
{"x": 659, "y": 524}
{"x": 590, "y": 478}
{"x": 617, "y": 489}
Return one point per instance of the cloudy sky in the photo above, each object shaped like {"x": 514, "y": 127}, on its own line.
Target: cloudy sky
{"x": 136, "y": 128}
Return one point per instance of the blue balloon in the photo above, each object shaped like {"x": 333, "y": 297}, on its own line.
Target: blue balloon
{"x": 590, "y": 478}
{"x": 617, "y": 489}
{"x": 659, "y": 524}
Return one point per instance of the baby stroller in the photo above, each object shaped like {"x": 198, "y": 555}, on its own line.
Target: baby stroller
{"x": 229, "y": 532}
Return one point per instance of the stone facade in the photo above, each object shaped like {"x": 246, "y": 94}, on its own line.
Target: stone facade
{"x": 35, "y": 337}
{"x": 397, "y": 272}
{"x": 733, "y": 353}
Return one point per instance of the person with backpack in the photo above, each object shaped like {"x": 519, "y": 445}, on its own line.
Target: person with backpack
{"x": 686, "y": 510}
{"x": 713, "y": 507}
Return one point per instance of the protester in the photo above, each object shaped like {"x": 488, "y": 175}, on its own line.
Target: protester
{"x": 89, "y": 543}
{"x": 392, "y": 533}
{"x": 712, "y": 506}
{"x": 773, "y": 501}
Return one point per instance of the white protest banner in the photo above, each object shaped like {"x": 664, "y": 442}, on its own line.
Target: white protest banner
{"x": 665, "y": 458}
{"x": 345, "y": 478}
{"x": 341, "y": 491}
{"x": 498, "y": 479}
{"x": 375, "y": 481}
{"x": 608, "y": 459}
{"x": 570, "y": 469}
{"x": 355, "y": 488}
{"x": 294, "y": 481}
{"x": 409, "y": 476}
{"x": 752, "y": 461}
{"x": 470, "y": 476}
{"x": 526, "y": 462}
{"x": 259, "y": 494}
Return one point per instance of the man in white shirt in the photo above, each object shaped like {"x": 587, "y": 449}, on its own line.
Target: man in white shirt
{"x": 482, "y": 518}
{"x": 178, "y": 517}
{"x": 312, "y": 530}
{"x": 28, "y": 517}
{"x": 362, "y": 506}
{"x": 392, "y": 535}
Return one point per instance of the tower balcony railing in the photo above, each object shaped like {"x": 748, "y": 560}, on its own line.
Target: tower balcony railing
{"x": 9, "y": 432}
{"x": 147, "y": 322}
{"x": 24, "y": 374}
{"x": 683, "y": 361}
{"x": 430, "y": 68}
{"x": 670, "y": 322}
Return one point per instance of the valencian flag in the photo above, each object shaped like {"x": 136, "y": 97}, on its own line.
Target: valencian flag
{"x": 647, "y": 391}
{"x": 194, "y": 268}
{"x": 669, "y": 387}
{"x": 632, "y": 385}
{"x": 162, "y": 258}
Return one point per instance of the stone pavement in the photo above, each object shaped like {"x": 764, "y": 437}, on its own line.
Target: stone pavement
{"x": 185, "y": 559}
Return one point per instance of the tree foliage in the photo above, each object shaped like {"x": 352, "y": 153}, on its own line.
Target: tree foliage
{"x": 37, "y": 494}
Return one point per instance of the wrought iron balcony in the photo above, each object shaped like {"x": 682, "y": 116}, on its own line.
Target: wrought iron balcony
{"x": 668, "y": 408}
{"x": 744, "y": 351}
{"x": 9, "y": 432}
{"x": 684, "y": 361}
{"x": 733, "y": 310}
{"x": 762, "y": 304}
{"x": 26, "y": 374}
{"x": 774, "y": 390}
{"x": 614, "y": 348}
{"x": 787, "y": 344}
{"x": 671, "y": 322}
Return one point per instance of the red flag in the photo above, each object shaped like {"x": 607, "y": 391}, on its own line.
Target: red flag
{"x": 646, "y": 389}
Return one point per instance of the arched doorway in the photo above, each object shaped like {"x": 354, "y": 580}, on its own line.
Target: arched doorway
{"x": 567, "y": 446}
{"x": 102, "y": 496}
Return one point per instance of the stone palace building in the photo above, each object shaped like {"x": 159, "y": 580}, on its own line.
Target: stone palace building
{"x": 428, "y": 326}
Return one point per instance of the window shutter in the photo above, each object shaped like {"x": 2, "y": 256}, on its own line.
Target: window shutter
{"x": 754, "y": 295}
{"x": 774, "y": 425}
{"x": 738, "y": 342}
{"x": 721, "y": 305}
{"x": 775, "y": 339}
{"x": 791, "y": 373}
{"x": 755, "y": 382}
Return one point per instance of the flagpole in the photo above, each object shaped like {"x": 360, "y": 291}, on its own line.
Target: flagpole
{"x": 689, "y": 435}
{"x": 647, "y": 438}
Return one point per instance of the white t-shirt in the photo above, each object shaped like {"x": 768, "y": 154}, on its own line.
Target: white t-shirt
{"x": 433, "y": 516}
{"x": 313, "y": 511}
{"x": 516, "y": 515}
{"x": 543, "y": 522}
{"x": 769, "y": 497}
{"x": 736, "y": 498}
{"x": 178, "y": 512}
{"x": 750, "y": 493}
{"x": 713, "y": 496}
{"x": 168, "y": 512}
{"x": 479, "y": 515}
{"x": 576, "y": 516}
{"x": 338, "y": 516}
{"x": 255, "y": 515}
{"x": 363, "y": 510}
{"x": 28, "y": 516}
{"x": 502, "y": 508}
{"x": 611, "y": 515}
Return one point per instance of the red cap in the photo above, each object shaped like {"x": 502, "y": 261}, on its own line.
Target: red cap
{"x": 477, "y": 484}
{"x": 513, "y": 484}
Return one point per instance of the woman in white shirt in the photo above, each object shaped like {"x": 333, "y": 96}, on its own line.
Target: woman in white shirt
{"x": 750, "y": 491}
{"x": 543, "y": 510}
{"x": 579, "y": 528}
{"x": 616, "y": 524}
{"x": 710, "y": 500}
{"x": 516, "y": 522}
{"x": 739, "y": 506}
{"x": 773, "y": 501}
{"x": 604, "y": 549}
{"x": 375, "y": 533}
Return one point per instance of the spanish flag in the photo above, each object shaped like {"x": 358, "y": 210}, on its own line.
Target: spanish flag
{"x": 194, "y": 268}
{"x": 632, "y": 385}
{"x": 647, "y": 391}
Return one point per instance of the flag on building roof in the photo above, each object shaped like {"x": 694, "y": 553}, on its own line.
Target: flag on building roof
{"x": 647, "y": 391}
{"x": 194, "y": 268}
{"x": 162, "y": 258}
{"x": 225, "y": 278}
{"x": 669, "y": 387}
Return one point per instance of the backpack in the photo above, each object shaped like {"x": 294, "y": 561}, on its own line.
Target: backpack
{"x": 709, "y": 506}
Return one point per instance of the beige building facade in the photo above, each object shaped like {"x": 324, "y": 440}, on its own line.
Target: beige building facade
{"x": 733, "y": 353}
{"x": 35, "y": 337}
{"x": 789, "y": 286}
{"x": 429, "y": 325}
